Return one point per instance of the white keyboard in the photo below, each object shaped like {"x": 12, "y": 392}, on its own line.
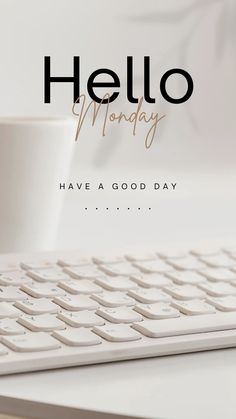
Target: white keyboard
{"x": 79, "y": 310}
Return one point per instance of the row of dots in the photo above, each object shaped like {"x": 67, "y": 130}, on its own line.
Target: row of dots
{"x": 118, "y": 208}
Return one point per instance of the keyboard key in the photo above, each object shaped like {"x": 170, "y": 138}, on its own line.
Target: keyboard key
{"x": 151, "y": 280}
{"x": 113, "y": 299}
{"x": 154, "y": 266}
{"x": 39, "y": 290}
{"x": 219, "y": 261}
{"x": 74, "y": 261}
{"x": 218, "y": 274}
{"x": 37, "y": 306}
{"x": 218, "y": 289}
{"x": 3, "y": 350}
{"x": 108, "y": 259}
{"x": 117, "y": 269}
{"x": 116, "y": 284}
{"x": 14, "y": 278}
{"x": 48, "y": 275}
{"x": 149, "y": 295}
{"x": 184, "y": 292}
{"x": 186, "y": 277}
{"x": 9, "y": 266}
{"x": 43, "y": 322}
{"x": 157, "y": 311}
{"x": 86, "y": 272}
{"x": 117, "y": 333}
{"x": 31, "y": 342}
{"x": 7, "y": 310}
{"x": 193, "y": 307}
{"x": 77, "y": 337}
{"x": 141, "y": 256}
{"x": 233, "y": 274}
{"x": 206, "y": 251}
{"x": 186, "y": 325}
{"x": 81, "y": 286}
{"x": 223, "y": 303}
{"x": 76, "y": 302}
{"x": 119, "y": 315}
{"x": 187, "y": 263}
{"x": 11, "y": 327}
{"x": 172, "y": 254}
{"x": 231, "y": 250}
{"x": 81, "y": 319}
{"x": 37, "y": 264}
{"x": 11, "y": 294}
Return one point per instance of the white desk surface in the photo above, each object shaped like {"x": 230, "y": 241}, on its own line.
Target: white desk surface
{"x": 189, "y": 386}
{"x": 192, "y": 386}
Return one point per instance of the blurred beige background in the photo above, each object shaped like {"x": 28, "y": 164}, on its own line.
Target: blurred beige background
{"x": 195, "y": 145}
{"x": 197, "y": 35}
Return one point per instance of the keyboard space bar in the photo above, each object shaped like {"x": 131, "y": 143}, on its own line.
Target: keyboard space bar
{"x": 185, "y": 325}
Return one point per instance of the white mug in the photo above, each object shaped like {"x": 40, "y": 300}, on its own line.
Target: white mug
{"x": 35, "y": 156}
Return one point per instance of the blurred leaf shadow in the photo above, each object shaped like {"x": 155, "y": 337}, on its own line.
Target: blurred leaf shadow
{"x": 225, "y": 34}
{"x": 170, "y": 16}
